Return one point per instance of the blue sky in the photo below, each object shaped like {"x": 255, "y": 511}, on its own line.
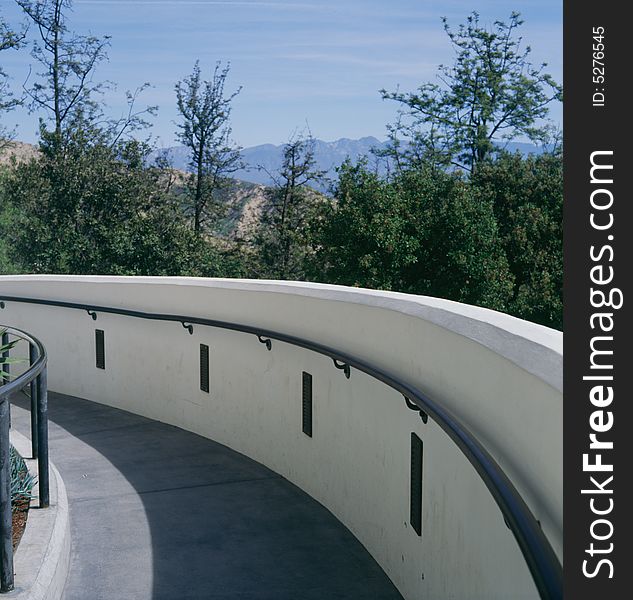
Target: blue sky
{"x": 320, "y": 62}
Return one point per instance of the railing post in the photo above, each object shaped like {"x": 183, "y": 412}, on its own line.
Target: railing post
{"x": 34, "y": 395}
{"x": 6, "y": 369}
{"x": 42, "y": 437}
{"x": 6, "y": 523}
{"x": 5, "y": 354}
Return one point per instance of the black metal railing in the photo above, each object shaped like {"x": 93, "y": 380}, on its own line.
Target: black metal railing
{"x": 33, "y": 377}
{"x": 537, "y": 551}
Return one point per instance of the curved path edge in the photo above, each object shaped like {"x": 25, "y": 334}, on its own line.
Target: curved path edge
{"x": 42, "y": 558}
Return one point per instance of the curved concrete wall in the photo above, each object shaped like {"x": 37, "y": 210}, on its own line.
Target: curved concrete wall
{"x": 501, "y": 376}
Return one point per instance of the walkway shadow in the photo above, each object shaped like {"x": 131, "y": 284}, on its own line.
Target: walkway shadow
{"x": 160, "y": 513}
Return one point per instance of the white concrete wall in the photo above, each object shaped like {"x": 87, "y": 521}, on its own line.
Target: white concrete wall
{"x": 499, "y": 375}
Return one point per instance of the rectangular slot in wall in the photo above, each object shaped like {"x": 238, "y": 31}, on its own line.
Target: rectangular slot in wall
{"x": 100, "y": 348}
{"x": 307, "y": 403}
{"x": 204, "y": 368}
{"x": 416, "y": 484}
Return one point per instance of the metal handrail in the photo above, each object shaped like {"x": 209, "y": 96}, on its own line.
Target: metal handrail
{"x": 544, "y": 566}
{"x": 36, "y": 377}
{"x": 35, "y": 368}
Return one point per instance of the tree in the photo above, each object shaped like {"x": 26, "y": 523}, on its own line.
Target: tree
{"x": 96, "y": 208}
{"x": 491, "y": 92}
{"x": 205, "y": 131}
{"x": 527, "y": 196}
{"x": 9, "y": 39}
{"x": 281, "y": 239}
{"x": 65, "y": 87}
{"x": 364, "y": 237}
{"x": 419, "y": 232}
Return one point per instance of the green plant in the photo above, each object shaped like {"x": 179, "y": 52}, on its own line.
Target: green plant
{"x": 22, "y": 481}
{"x": 418, "y": 232}
{"x": 5, "y": 359}
{"x": 281, "y": 239}
{"x": 205, "y": 131}
{"x": 491, "y": 93}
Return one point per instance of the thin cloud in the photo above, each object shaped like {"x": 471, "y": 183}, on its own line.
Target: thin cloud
{"x": 387, "y": 66}
{"x": 395, "y": 40}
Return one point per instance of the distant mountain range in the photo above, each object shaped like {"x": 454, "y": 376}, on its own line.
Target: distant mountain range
{"x": 265, "y": 159}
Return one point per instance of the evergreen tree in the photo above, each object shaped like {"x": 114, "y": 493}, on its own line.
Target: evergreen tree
{"x": 282, "y": 238}
{"x": 9, "y": 39}
{"x": 527, "y": 196}
{"x": 65, "y": 86}
{"x": 65, "y": 90}
{"x": 97, "y": 209}
{"x": 205, "y": 131}
{"x": 492, "y": 92}
{"x": 420, "y": 232}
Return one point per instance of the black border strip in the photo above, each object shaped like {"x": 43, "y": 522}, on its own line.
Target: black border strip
{"x": 597, "y": 78}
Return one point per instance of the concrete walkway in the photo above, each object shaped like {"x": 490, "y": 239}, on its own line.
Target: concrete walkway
{"x": 160, "y": 513}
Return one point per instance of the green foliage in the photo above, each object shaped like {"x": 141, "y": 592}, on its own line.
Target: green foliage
{"x": 527, "y": 195}
{"x": 364, "y": 238}
{"x": 282, "y": 237}
{"x": 205, "y": 131}
{"x": 494, "y": 240}
{"x": 66, "y": 91}
{"x": 6, "y": 265}
{"x": 65, "y": 86}
{"x": 22, "y": 481}
{"x": 96, "y": 208}
{"x": 5, "y": 357}
{"x": 9, "y": 39}
{"x": 491, "y": 92}
{"x": 422, "y": 233}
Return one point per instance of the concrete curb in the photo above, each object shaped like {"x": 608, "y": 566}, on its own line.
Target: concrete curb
{"x": 42, "y": 558}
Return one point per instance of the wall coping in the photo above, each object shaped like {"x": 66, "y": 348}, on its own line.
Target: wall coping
{"x": 532, "y": 347}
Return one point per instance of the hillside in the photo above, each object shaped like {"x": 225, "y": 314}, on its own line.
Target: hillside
{"x": 244, "y": 202}
{"x": 20, "y": 151}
